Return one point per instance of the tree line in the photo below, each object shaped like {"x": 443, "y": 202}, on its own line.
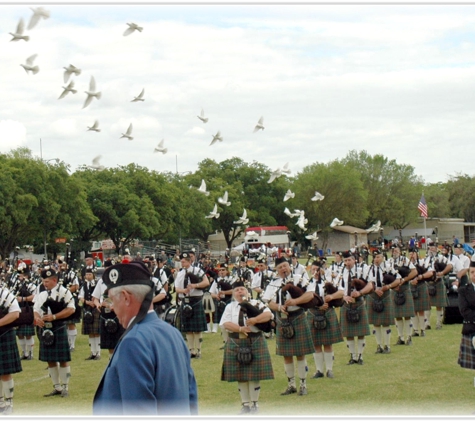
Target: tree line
{"x": 40, "y": 201}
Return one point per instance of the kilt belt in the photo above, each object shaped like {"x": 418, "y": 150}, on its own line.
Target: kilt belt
{"x": 249, "y": 335}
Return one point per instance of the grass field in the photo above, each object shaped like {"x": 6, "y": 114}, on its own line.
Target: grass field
{"x": 422, "y": 379}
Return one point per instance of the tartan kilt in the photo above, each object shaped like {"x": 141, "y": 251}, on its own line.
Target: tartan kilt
{"x": 109, "y": 340}
{"x": 386, "y": 317}
{"x": 331, "y": 334}
{"x": 440, "y": 298}
{"x": 9, "y": 355}
{"x": 467, "y": 352}
{"x": 407, "y": 309}
{"x": 354, "y": 329}
{"x": 25, "y": 330}
{"x": 59, "y": 350}
{"x": 422, "y": 303}
{"x": 259, "y": 369}
{"x": 95, "y": 326}
{"x": 197, "y": 322}
{"x": 219, "y": 310}
{"x": 301, "y": 344}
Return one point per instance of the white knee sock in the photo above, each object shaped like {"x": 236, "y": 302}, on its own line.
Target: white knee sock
{"x": 328, "y": 356}
{"x": 415, "y": 322}
{"x": 302, "y": 370}
{"x": 190, "y": 342}
{"x": 440, "y": 315}
{"x": 22, "y": 342}
{"x": 377, "y": 332}
{"x": 351, "y": 347}
{"x": 427, "y": 318}
{"x": 243, "y": 388}
{"x": 54, "y": 374}
{"x": 72, "y": 337}
{"x": 65, "y": 374}
{"x": 386, "y": 335}
{"x": 421, "y": 319}
{"x": 290, "y": 372}
{"x": 8, "y": 389}
{"x": 197, "y": 344}
{"x": 254, "y": 390}
{"x": 400, "y": 327}
{"x": 318, "y": 358}
{"x": 361, "y": 345}
{"x": 408, "y": 326}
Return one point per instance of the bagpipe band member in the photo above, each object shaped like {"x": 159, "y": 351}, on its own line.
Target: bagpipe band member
{"x": 52, "y": 307}
{"x": 189, "y": 285}
{"x": 91, "y": 321}
{"x": 246, "y": 356}
{"x": 466, "y": 296}
{"x": 221, "y": 291}
{"x": 293, "y": 336}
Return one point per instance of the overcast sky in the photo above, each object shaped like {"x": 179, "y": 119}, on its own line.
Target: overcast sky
{"x": 388, "y": 79}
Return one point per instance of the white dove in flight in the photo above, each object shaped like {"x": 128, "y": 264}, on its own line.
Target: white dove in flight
{"x": 312, "y": 236}
{"x": 301, "y": 223}
{"x": 243, "y": 219}
{"x": 18, "y": 35}
{"x": 336, "y": 222}
{"x": 287, "y": 212}
{"x": 286, "y": 169}
{"x": 94, "y": 127}
{"x": 67, "y": 89}
{"x": 289, "y": 194}
{"x": 202, "y": 116}
{"x": 128, "y": 133}
{"x": 160, "y": 148}
{"x": 259, "y": 125}
{"x": 299, "y": 213}
{"x": 91, "y": 93}
{"x": 95, "y": 163}
{"x": 224, "y": 199}
{"x": 202, "y": 188}
{"x": 274, "y": 175}
{"x": 68, "y": 71}
{"x": 317, "y": 197}
{"x": 216, "y": 138}
{"x": 214, "y": 213}
{"x": 28, "y": 66}
{"x": 374, "y": 228}
{"x": 132, "y": 27}
{"x": 38, "y": 13}
{"x": 139, "y": 97}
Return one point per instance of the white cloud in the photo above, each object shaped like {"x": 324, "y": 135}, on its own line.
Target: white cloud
{"x": 13, "y": 135}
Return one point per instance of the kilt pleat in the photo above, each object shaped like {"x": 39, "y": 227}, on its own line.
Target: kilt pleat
{"x": 301, "y": 344}
{"x": 354, "y": 329}
{"x": 9, "y": 355}
{"x": 331, "y": 334}
{"x": 406, "y": 310}
{"x": 422, "y": 303}
{"x": 440, "y": 298}
{"x": 95, "y": 326}
{"x": 109, "y": 340}
{"x": 467, "y": 352}
{"x": 386, "y": 317}
{"x": 197, "y": 322}
{"x": 59, "y": 350}
{"x": 259, "y": 369}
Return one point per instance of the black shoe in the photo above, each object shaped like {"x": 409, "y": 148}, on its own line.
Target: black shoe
{"x": 318, "y": 374}
{"x": 409, "y": 341}
{"x": 399, "y": 341}
{"x": 91, "y": 357}
{"x": 386, "y": 350}
{"x": 64, "y": 393}
{"x": 428, "y": 327}
{"x": 193, "y": 355}
{"x": 97, "y": 357}
{"x": 30, "y": 357}
{"x": 360, "y": 361}
{"x": 24, "y": 357}
{"x": 290, "y": 390}
{"x": 53, "y": 393}
{"x": 245, "y": 409}
{"x": 415, "y": 334}
{"x": 351, "y": 362}
{"x": 423, "y": 333}
{"x": 379, "y": 349}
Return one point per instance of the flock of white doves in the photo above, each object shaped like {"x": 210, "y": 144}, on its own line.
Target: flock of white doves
{"x": 41, "y": 13}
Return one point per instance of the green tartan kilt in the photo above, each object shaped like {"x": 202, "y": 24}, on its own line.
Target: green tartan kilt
{"x": 259, "y": 369}
{"x": 301, "y": 344}
{"x": 422, "y": 303}
{"x": 25, "y": 330}
{"x": 405, "y": 310}
{"x": 110, "y": 340}
{"x": 95, "y": 326}
{"x": 467, "y": 352}
{"x": 354, "y": 329}
{"x": 386, "y": 317}
{"x": 59, "y": 350}
{"x": 331, "y": 334}
{"x": 440, "y": 298}
{"x": 9, "y": 356}
{"x": 197, "y": 322}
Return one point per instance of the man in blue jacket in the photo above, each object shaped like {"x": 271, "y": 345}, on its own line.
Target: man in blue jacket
{"x": 149, "y": 372}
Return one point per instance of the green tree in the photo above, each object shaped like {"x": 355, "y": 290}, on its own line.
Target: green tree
{"x": 461, "y": 190}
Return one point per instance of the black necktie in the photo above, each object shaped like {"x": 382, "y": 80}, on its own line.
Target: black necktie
{"x": 241, "y": 318}
{"x": 348, "y": 289}
{"x": 378, "y": 278}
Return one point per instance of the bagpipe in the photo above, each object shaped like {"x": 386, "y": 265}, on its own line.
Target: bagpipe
{"x": 253, "y": 311}
{"x": 26, "y": 316}
{"x": 330, "y": 289}
{"x": 296, "y": 291}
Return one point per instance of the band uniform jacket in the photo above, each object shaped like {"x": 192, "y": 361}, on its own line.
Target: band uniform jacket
{"x": 148, "y": 374}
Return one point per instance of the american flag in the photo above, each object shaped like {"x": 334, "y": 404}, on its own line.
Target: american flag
{"x": 422, "y": 207}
